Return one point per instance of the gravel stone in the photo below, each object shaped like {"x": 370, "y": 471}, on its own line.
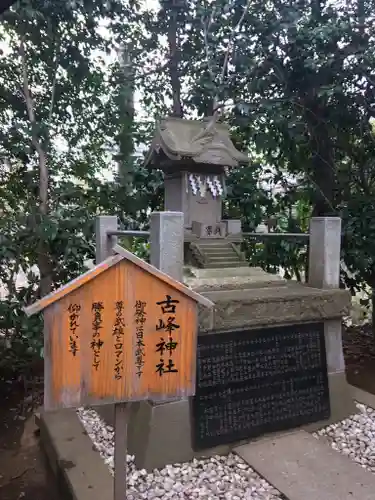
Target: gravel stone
{"x": 354, "y": 437}
{"x": 214, "y": 478}
{"x": 227, "y": 477}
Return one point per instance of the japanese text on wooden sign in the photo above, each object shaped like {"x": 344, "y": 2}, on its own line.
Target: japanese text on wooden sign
{"x": 123, "y": 335}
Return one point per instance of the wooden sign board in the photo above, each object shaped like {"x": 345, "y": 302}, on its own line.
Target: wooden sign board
{"x": 123, "y": 331}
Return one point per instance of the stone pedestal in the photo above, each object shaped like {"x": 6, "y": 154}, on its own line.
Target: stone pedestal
{"x": 245, "y": 299}
{"x": 161, "y": 434}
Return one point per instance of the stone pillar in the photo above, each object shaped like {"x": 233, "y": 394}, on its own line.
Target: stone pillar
{"x": 103, "y": 242}
{"x": 103, "y": 249}
{"x": 159, "y": 433}
{"x": 167, "y": 243}
{"x": 325, "y": 247}
{"x": 324, "y": 272}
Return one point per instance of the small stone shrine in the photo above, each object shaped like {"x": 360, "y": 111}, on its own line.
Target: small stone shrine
{"x": 270, "y": 356}
{"x": 195, "y": 157}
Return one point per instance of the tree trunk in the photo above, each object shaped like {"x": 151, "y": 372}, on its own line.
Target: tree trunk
{"x": 45, "y": 269}
{"x": 173, "y": 63}
{"x": 323, "y": 167}
{"x": 44, "y": 259}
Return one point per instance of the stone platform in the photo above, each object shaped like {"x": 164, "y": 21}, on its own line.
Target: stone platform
{"x": 249, "y": 298}
{"x": 229, "y": 278}
{"x": 263, "y": 301}
{"x": 305, "y": 468}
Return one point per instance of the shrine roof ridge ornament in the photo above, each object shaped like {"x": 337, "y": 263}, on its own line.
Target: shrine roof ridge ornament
{"x": 203, "y": 142}
{"x": 120, "y": 255}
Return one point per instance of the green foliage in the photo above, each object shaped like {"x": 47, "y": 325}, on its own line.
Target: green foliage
{"x": 359, "y": 241}
{"x": 245, "y": 199}
{"x": 63, "y": 110}
{"x": 139, "y": 246}
{"x": 276, "y": 254}
{"x": 295, "y": 82}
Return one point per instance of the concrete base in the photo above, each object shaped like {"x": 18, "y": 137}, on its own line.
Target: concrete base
{"x": 305, "y": 468}
{"x": 79, "y": 470}
{"x": 160, "y": 434}
{"x": 342, "y": 402}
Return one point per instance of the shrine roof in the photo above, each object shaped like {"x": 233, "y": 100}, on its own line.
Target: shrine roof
{"x": 203, "y": 142}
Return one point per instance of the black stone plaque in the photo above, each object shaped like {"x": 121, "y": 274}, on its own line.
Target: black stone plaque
{"x": 257, "y": 381}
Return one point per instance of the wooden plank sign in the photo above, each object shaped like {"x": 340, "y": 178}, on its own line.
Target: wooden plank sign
{"x": 123, "y": 331}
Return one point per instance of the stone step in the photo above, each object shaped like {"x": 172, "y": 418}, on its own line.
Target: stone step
{"x": 216, "y": 250}
{"x": 214, "y": 244}
{"x": 221, "y": 258}
{"x": 221, "y": 255}
{"x": 233, "y": 282}
{"x": 226, "y": 264}
{"x": 222, "y": 252}
{"x": 304, "y": 468}
{"x": 218, "y": 254}
{"x": 208, "y": 250}
{"x": 244, "y": 270}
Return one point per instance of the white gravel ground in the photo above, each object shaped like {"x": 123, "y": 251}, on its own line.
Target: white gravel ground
{"x": 216, "y": 478}
{"x": 354, "y": 436}
{"x": 228, "y": 477}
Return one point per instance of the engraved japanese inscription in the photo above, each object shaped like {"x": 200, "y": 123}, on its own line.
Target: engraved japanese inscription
{"x": 74, "y": 311}
{"x": 96, "y": 342}
{"x": 167, "y": 306}
{"x": 118, "y": 332}
{"x": 258, "y": 381}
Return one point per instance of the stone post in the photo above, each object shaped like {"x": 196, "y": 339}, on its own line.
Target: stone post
{"x": 167, "y": 243}
{"x": 103, "y": 242}
{"x": 325, "y": 247}
{"x": 103, "y": 249}
{"x": 324, "y": 272}
{"x": 159, "y": 432}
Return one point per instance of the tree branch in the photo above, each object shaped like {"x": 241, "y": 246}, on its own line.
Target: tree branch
{"x": 25, "y": 85}
{"x": 151, "y": 72}
{"x": 206, "y": 29}
{"x": 29, "y": 100}
{"x": 54, "y": 82}
{"x": 216, "y": 106}
{"x": 43, "y": 170}
{"x": 44, "y": 262}
{"x": 231, "y": 40}
{"x": 173, "y": 63}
